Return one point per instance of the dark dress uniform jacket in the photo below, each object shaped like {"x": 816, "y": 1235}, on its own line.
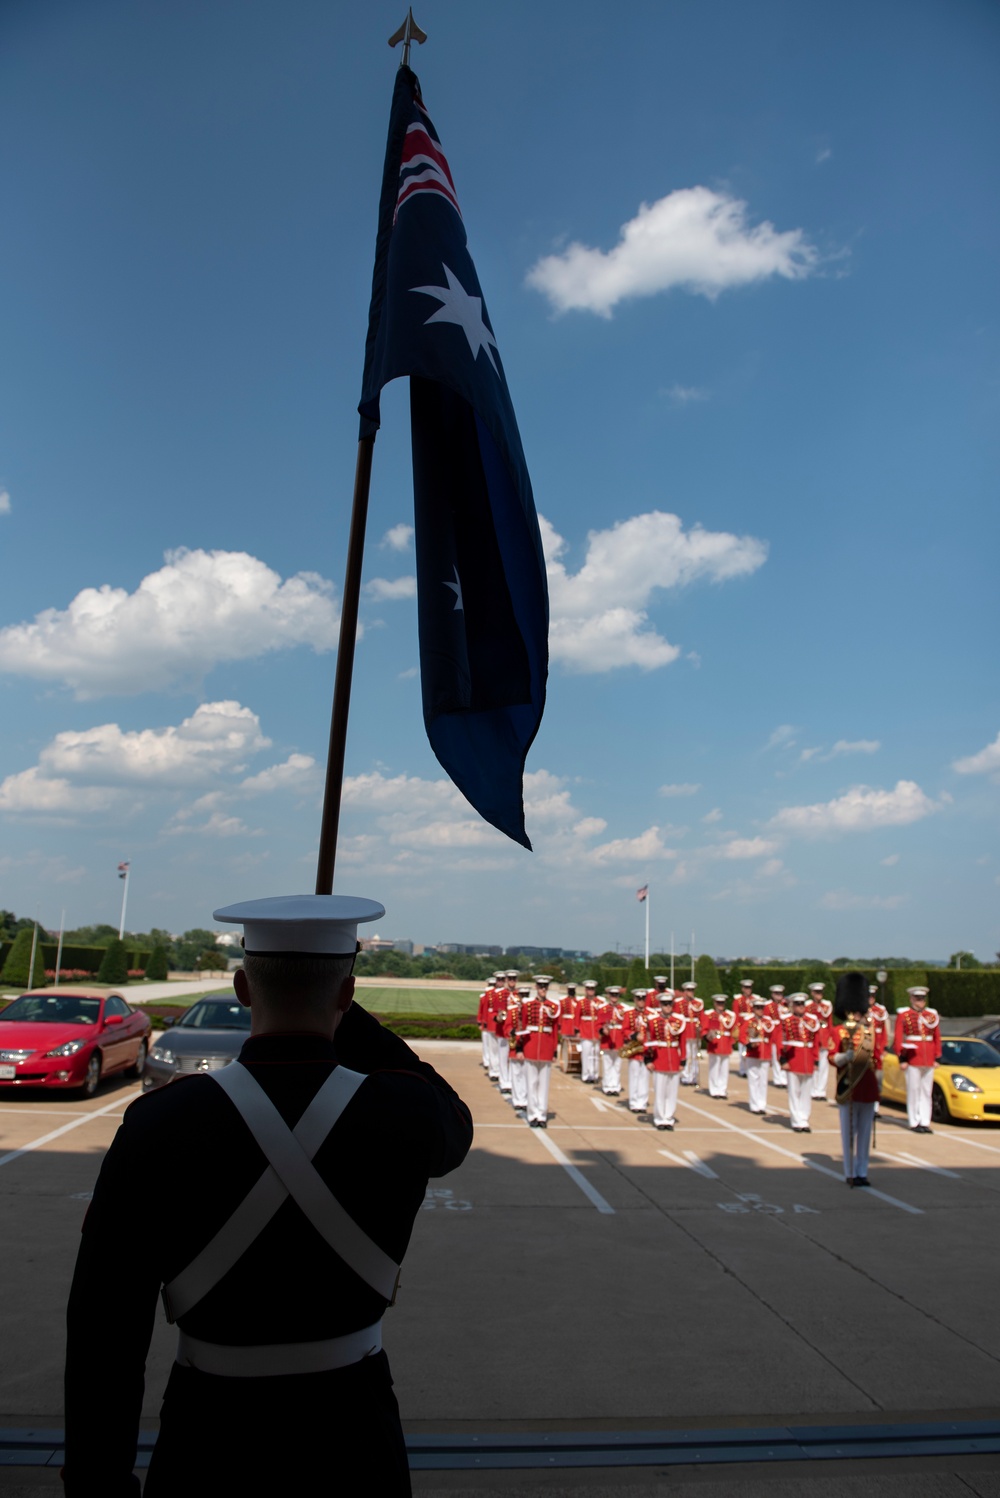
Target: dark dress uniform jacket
{"x": 181, "y": 1162}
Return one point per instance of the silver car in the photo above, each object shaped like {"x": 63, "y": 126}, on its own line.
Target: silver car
{"x": 209, "y": 1036}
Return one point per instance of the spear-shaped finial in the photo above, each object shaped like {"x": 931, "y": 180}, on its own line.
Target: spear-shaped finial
{"x": 407, "y": 33}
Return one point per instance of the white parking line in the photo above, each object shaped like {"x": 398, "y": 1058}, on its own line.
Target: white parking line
{"x": 975, "y": 1144}
{"x": 690, "y": 1159}
{"x": 73, "y": 1124}
{"x": 801, "y": 1160}
{"x": 589, "y": 1191}
{"x": 904, "y": 1159}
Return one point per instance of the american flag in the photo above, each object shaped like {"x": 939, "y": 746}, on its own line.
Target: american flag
{"x": 123, "y": 869}
{"x": 641, "y": 894}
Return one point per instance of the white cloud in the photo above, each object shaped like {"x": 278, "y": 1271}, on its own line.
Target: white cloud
{"x": 632, "y": 560}
{"x": 217, "y": 736}
{"x": 715, "y": 815}
{"x": 693, "y": 238}
{"x": 746, "y": 847}
{"x": 890, "y": 862}
{"x": 858, "y": 810}
{"x": 30, "y": 791}
{"x": 841, "y": 747}
{"x": 217, "y": 825}
{"x": 647, "y": 845}
{"x": 386, "y": 590}
{"x": 843, "y": 899}
{"x": 297, "y": 773}
{"x": 201, "y": 608}
{"x": 408, "y": 674}
{"x": 89, "y": 771}
{"x": 398, "y": 537}
{"x": 983, "y": 763}
{"x": 684, "y": 395}
{"x": 684, "y": 789}
{"x": 823, "y": 155}
{"x": 783, "y": 737}
{"x": 770, "y": 869}
{"x": 4, "y": 502}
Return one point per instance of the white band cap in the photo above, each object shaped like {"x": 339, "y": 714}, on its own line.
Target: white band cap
{"x": 313, "y": 925}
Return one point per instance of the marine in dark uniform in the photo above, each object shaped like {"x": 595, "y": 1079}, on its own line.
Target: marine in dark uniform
{"x": 280, "y": 1383}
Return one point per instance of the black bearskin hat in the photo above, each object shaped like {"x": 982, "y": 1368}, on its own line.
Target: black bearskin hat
{"x": 852, "y": 995}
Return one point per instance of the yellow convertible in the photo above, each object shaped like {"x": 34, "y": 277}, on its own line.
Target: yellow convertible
{"x": 966, "y": 1081}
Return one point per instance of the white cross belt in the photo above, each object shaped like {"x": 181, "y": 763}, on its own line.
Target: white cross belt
{"x": 290, "y": 1172}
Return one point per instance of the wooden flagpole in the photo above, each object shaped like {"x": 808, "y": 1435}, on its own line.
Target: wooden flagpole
{"x": 345, "y": 670}
{"x": 333, "y": 790}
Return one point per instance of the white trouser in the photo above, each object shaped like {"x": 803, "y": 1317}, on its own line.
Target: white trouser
{"x": 539, "y": 1076}
{"x": 757, "y": 1083}
{"x": 718, "y": 1074}
{"x": 638, "y": 1085}
{"x": 919, "y": 1087}
{"x": 611, "y": 1065}
{"x": 690, "y": 1073}
{"x": 821, "y": 1074}
{"x": 856, "y": 1135}
{"x": 503, "y": 1062}
{"x": 519, "y": 1084}
{"x": 493, "y": 1054}
{"x": 742, "y": 1068}
{"x": 777, "y": 1073}
{"x": 666, "y": 1085}
{"x": 589, "y": 1052}
{"x": 486, "y": 1049}
{"x": 800, "y": 1097}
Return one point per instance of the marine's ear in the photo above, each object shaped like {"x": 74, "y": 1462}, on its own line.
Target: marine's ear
{"x": 241, "y": 987}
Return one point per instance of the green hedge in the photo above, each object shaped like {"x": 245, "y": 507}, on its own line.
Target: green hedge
{"x": 85, "y": 959}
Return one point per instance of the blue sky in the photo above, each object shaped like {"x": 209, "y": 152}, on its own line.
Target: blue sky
{"x": 741, "y": 265}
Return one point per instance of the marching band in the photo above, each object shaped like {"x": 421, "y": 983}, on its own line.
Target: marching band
{"x": 798, "y": 1040}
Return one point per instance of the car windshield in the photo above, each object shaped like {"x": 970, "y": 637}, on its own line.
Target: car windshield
{"x": 216, "y": 1014}
{"x": 968, "y": 1053}
{"x": 53, "y": 1009}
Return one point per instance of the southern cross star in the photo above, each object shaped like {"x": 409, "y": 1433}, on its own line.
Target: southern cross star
{"x": 463, "y": 310}
{"x": 456, "y": 588}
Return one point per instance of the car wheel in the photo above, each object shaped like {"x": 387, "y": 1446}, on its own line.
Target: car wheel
{"x": 92, "y": 1076}
{"x": 139, "y": 1065}
{"x": 939, "y": 1107}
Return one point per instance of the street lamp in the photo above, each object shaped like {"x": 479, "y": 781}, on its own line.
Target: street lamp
{"x": 880, "y": 979}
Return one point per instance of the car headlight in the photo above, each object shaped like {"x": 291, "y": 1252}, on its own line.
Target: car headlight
{"x": 69, "y": 1049}
{"x": 164, "y": 1054}
{"x": 963, "y": 1084}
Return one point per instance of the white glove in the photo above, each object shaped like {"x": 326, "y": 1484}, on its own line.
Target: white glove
{"x": 843, "y": 1058}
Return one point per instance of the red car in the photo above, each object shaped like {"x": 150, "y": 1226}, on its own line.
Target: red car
{"x": 70, "y": 1038}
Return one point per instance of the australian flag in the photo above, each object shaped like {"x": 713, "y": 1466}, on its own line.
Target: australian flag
{"x": 482, "y": 602}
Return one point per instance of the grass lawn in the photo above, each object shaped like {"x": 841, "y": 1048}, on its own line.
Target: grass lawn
{"x": 444, "y": 1001}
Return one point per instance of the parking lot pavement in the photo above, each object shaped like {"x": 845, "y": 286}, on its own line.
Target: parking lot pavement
{"x": 602, "y": 1274}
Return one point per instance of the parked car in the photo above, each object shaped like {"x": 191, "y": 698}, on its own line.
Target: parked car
{"x": 71, "y": 1039}
{"x": 208, "y": 1037}
{"x": 990, "y": 1033}
{"x": 966, "y": 1081}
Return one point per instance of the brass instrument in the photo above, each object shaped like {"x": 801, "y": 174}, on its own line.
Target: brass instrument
{"x": 860, "y": 1037}
{"x": 637, "y": 1043}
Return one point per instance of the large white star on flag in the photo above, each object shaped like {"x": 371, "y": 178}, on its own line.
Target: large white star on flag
{"x": 466, "y": 311}
{"x": 456, "y": 588}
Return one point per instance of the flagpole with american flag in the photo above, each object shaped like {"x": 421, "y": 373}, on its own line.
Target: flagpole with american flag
{"x": 482, "y": 599}
{"x": 124, "y": 870}
{"x": 642, "y": 895}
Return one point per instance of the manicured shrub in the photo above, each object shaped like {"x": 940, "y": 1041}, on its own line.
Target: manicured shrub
{"x": 156, "y": 967}
{"x": 15, "y": 968}
{"x": 114, "y": 967}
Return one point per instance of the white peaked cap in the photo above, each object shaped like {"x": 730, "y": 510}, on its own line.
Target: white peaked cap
{"x": 918, "y": 993}
{"x": 659, "y": 978}
{"x": 542, "y": 978}
{"x": 308, "y": 925}
{"x": 816, "y": 987}
{"x": 757, "y": 999}
{"x": 798, "y": 998}
{"x": 720, "y": 998}
{"x": 746, "y": 983}
{"x": 777, "y": 988}
{"x": 590, "y": 983}
{"x": 635, "y": 992}
{"x": 689, "y": 985}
